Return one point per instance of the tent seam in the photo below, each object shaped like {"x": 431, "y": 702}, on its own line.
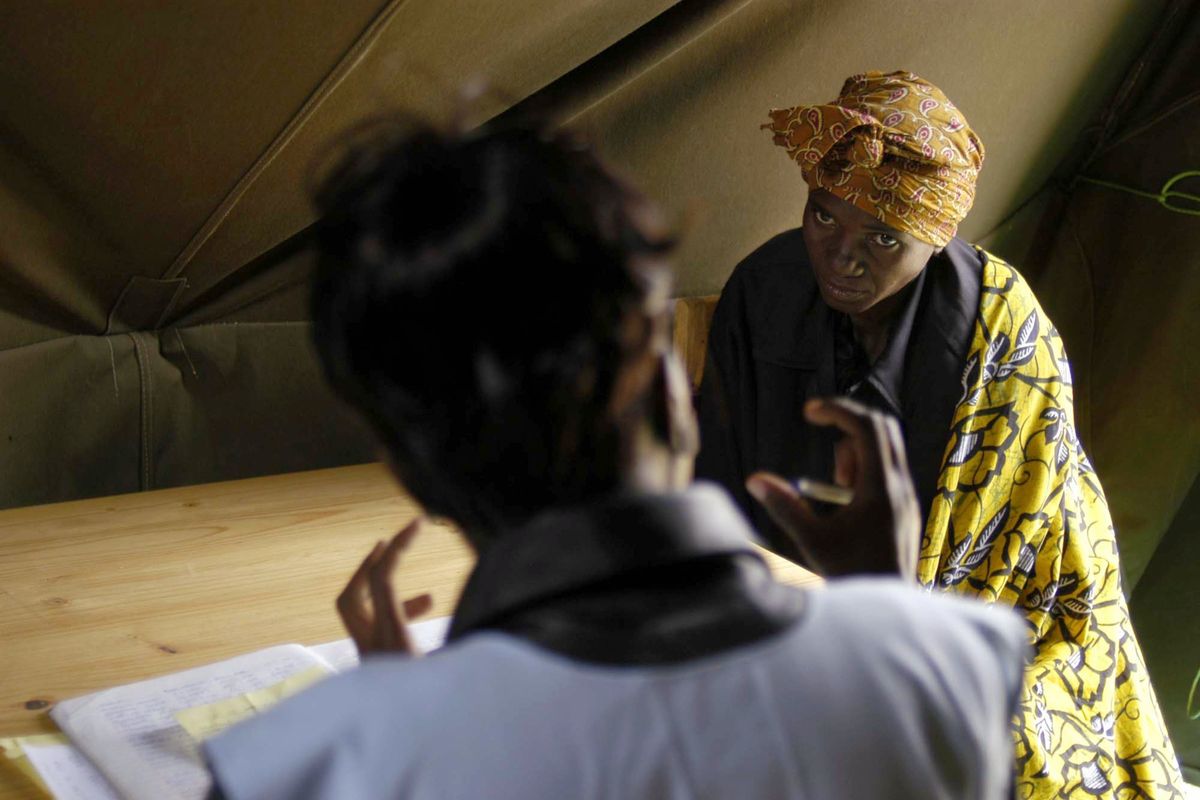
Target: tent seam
{"x": 234, "y": 324}
{"x": 1091, "y": 318}
{"x": 146, "y": 411}
{"x": 1154, "y": 121}
{"x": 656, "y": 63}
{"x": 65, "y": 336}
{"x": 332, "y": 80}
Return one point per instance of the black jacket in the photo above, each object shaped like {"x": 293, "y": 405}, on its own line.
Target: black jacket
{"x": 774, "y": 344}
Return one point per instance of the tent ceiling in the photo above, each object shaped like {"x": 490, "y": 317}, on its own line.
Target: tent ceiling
{"x": 173, "y": 139}
{"x": 154, "y": 156}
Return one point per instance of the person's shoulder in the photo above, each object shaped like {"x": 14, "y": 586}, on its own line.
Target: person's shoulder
{"x": 1001, "y": 277}
{"x": 385, "y": 685}
{"x": 965, "y": 255}
{"x": 771, "y": 286}
{"x": 960, "y": 652}
{"x": 940, "y": 677}
{"x": 929, "y": 624}
{"x": 782, "y": 254}
{"x": 1007, "y": 294}
{"x": 892, "y": 599}
{"x": 389, "y": 704}
{"x": 785, "y": 246}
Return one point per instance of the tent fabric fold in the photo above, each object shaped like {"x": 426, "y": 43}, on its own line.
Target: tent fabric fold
{"x": 161, "y": 198}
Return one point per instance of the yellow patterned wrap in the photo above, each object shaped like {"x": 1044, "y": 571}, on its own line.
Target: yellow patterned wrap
{"x": 1020, "y": 519}
{"x": 891, "y": 144}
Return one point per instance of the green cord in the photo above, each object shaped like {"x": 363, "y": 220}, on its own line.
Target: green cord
{"x": 1192, "y": 696}
{"x": 1167, "y": 197}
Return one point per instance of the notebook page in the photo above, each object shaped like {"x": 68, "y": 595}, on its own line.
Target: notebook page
{"x": 131, "y": 734}
{"x": 68, "y": 774}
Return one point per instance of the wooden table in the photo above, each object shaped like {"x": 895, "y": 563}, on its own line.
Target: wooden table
{"x": 97, "y": 593}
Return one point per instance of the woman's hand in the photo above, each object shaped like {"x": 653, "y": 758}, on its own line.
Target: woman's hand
{"x": 368, "y": 605}
{"x": 880, "y": 530}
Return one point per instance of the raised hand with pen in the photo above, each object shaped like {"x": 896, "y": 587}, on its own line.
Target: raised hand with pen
{"x": 879, "y": 530}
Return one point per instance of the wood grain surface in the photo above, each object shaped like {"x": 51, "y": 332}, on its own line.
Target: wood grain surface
{"x": 97, "y": 593}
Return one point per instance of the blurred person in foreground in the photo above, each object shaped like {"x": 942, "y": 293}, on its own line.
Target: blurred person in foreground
{"x": 874, "y": 298}
{"x": 496, "y": 305}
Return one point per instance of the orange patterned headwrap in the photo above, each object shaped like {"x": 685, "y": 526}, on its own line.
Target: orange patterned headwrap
{"x": 893, "y": 145}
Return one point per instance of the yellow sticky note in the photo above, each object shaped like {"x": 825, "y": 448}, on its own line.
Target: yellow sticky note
{"x": 14, "y": 751}
{"x": 204, "y": 722}
{"x": 293, "y": 684}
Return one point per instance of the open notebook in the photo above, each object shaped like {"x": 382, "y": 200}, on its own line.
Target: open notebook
{"x": 142, "y": 741}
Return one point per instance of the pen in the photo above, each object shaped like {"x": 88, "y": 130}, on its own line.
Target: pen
{"x": 823, "y": 492}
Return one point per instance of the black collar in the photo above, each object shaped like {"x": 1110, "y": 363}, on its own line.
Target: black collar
{"x": 929, "y": 337}
{"x": 945, "y": 322}
{"x": 565, "y": 550}
{"x": 886, "y": 374}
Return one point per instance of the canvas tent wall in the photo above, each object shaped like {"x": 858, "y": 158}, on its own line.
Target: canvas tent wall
{"x": 154, "y": 161}
{"x": 154, "y": 157}
{"x": 1117, "y": 264}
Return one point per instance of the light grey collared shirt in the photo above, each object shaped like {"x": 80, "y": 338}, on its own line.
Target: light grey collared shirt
{"x": 877, "y": 690}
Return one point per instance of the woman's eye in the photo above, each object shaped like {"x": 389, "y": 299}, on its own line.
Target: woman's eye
{"x": 886, "y": 240}
{"x": 822, "y": 217}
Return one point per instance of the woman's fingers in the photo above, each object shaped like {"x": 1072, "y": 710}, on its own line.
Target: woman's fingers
{"x": 845, "y": 463}
{"x": 863, "y": 428}
{"x": 368, "y": 605}
{"x": 352, "y": 602}
{"x": 907, "y": 508}
{"x": 879, "y": 531}
{"x": 352, "y": 596}
{"x": 418, "y": 606}
{"x": 791, "y": 512}
{"x": 389, "y": 619}
{"x": 844, "y": 413}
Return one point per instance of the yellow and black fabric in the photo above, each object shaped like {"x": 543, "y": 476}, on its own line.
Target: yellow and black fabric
{"x": 1020, "y": 519}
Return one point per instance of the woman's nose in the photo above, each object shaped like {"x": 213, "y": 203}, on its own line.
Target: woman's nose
{"x": 846, "y": 261}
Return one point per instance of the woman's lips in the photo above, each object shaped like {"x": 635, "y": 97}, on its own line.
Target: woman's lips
{"x": 840, "y": 291}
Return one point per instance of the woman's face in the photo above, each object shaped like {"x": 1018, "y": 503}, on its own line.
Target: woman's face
{"x": 860, "y": 264}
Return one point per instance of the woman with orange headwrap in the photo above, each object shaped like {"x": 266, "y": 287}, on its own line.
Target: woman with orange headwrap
{"x": 874, "y": 298}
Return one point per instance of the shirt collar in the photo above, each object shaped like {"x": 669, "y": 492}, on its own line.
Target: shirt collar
{"x": 565, "y": 549}
{"x": 887, "y": 373}
{"x": 956, "y": 305}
